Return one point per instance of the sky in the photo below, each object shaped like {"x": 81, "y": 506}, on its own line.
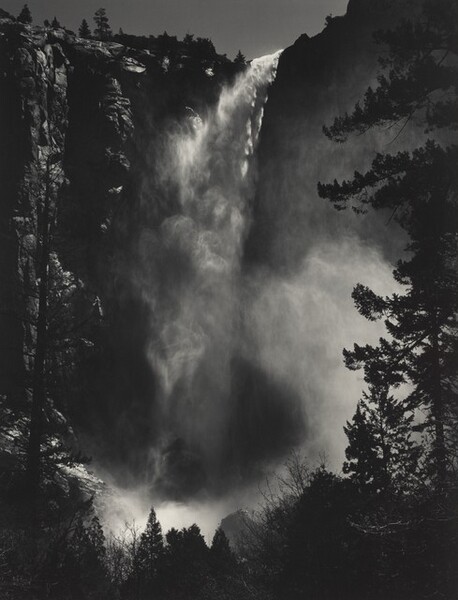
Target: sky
{"x": 257, "y": 27}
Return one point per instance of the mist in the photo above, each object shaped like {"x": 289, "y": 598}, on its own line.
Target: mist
{"x": 298, "y": 325}
{"x": 245, "y": 354}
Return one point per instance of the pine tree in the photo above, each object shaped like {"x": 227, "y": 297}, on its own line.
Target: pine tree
{"x": 186, "y": 567}
{"x": 102, "y": 30}
{"x": 240, "y": 59}
{"x": 420, "y": 190}
{"x": 45, "y": 226}
{"x": 381, "y": 456}
{"x": 59, "y": 321}
{"x": 96, "y": 538}
{"x": 82, "y": 564}
{"x": 148, "y": 553}
{"x": 220, "y": 544}
{"x": 25, "y": 16}
{"x": 55, "y": 23}
{"x": 84, "y": 30}
{"x": 221, "y": 555}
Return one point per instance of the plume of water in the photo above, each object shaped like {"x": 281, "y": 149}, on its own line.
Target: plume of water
{"x": 193, "y": 261}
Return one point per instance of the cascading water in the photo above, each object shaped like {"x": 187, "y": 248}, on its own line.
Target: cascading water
{"x": 194, "y": 263}
{"x": 246, "y": 358}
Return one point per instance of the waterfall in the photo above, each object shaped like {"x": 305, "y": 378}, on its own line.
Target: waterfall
{"x": 193, "y": 260}
{"x": 246, "y": 359}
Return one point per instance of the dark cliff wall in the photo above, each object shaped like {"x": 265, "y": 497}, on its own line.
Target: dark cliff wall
{"x": 62, "y": 101}
{"x": 318, "y": 78}
{"x": 34, "y": 94}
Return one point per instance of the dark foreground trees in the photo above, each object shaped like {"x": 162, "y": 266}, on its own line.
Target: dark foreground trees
{"x": 178, "y": 566}
{"x": 402, "y": 440}
{"x": 419, "y": 189}
{"x": 318, "y": 535}
{"x": 337, "y": 540}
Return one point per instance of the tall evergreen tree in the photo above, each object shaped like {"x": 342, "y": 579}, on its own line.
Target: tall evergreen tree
{"x": 55, "y": 24}
{"x": 381, "y": 455}
{"x": 82, "y": 568}
{"x": 102, "y": 29}
{"x": 240, "y": 59}
{"x": 60, "y": 318}
{"x": 186, "y": 566}
{"x": 420, "y": 190}
{"x": 46, "y": 212}
{"x": 84, "y": 30}
{"x": 148, "y": 554}
{"x": 221, "y": 555}
{"x": 25, "y": 16}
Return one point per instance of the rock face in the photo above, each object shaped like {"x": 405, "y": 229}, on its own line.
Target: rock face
{"x": 39, "y": 99}
{"x": 318, "y": 78}
{"x": 237, "y": 526}
{"x": 34, "y": 119}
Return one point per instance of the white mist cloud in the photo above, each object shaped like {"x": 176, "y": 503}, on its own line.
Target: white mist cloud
{"x": 129, "y": 509}
{"x": 299, "y": 324}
